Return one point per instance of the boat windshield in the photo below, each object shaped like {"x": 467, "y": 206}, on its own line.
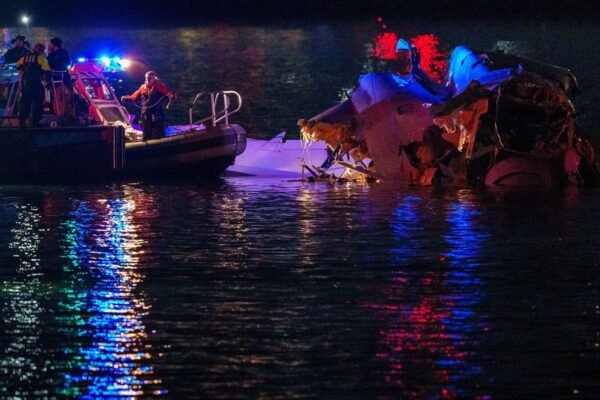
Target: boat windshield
{"x": 112, "y": 115}
{"x": 97, "y": 89}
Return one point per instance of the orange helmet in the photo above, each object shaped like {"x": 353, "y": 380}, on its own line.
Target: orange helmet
{"x": 39, "y": 48}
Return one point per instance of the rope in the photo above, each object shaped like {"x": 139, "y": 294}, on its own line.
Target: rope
{"x": 496, "y": 117}
{"x": 153, "y": 105}
{"x": 305, "y": 152}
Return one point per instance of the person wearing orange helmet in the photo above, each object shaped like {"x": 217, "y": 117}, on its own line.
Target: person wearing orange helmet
{"x": 32, "y": 69}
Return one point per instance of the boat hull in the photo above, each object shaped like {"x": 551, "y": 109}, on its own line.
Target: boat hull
{"x": 98, "y": 153}
{"x": 202, "y": 153}
{"x": 53, "y": 155}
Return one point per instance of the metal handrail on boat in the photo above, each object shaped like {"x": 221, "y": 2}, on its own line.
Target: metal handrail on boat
{"x": 8, "y": 76}
{"x": 216, "y": 115}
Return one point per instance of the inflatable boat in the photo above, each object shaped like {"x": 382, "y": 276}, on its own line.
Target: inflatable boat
{"x": 85, "y": 102}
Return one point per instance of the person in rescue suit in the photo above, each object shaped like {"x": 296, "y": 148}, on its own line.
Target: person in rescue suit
{"x": 32, "y": 68}
{"x": 152, "y": 92}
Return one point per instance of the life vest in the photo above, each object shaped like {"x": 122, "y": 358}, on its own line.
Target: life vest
{"x": 32, "y": 68}
{"x": 151, "y": 99}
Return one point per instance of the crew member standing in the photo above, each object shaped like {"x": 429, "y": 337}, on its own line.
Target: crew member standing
{"x": 33, "y": 68}
{"x": 18, "y": 50}
{"x": 152, "y": 92}
{"x": 58, "y": 58}
{"x": 62, "y": 96}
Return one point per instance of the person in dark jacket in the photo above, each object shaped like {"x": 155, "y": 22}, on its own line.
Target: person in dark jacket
{"x": 59, "y": 62}
{"x": 58, "y": 58}
{"x": 152, "y": 92}
{"x": 32, "y": 68}
{"x": 19, "y": 50}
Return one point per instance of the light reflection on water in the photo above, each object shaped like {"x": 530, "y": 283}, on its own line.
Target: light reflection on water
{"x": 261, "y": 288}
{"x": 429, "y": 346}
{"x": 81, "y": 335}
{"x": 22, "y": 356}
{"x": 104, "y": 243}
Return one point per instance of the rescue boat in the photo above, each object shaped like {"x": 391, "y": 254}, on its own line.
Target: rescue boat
{"x": 203, "y": 148}
{"x": 498, "y": 119}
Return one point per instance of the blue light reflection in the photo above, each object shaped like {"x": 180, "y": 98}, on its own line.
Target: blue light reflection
{"x": 431, "y": 328}
{"x": 117, "y": 360}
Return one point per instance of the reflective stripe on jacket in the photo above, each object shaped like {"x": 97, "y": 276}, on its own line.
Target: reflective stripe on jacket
{"x": 33, "y": 66}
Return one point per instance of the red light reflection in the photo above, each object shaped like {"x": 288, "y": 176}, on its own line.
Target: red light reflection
{"x": 417, "y": 339}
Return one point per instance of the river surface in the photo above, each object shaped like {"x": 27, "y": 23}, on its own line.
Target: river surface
{"x": 269, "y": 289}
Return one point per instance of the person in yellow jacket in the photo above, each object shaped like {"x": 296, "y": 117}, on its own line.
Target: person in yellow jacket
{"x": 32, "y": 68}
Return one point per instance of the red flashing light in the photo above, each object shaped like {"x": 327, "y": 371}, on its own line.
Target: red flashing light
{"x": 385, "y": 46}
{"x": 433, "y": 62}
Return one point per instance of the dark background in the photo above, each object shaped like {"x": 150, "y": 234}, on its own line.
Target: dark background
{"x": 177, "y": 12}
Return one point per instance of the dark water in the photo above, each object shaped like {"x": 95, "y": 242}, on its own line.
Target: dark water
{"x": 265, "y": 289}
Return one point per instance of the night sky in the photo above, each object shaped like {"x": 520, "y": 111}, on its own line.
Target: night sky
{"x": 190, "y": 12}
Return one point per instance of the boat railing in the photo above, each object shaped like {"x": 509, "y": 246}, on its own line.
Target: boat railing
{"x": 60, "y": 93}
{"x": 9, "y": 90}
{"x": 220, "y": 106}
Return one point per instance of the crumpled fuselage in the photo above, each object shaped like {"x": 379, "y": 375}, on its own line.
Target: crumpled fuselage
{"x": 497, "y": 119}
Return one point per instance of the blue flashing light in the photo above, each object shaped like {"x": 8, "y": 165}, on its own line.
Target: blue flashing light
{"x": 110, "y": 64}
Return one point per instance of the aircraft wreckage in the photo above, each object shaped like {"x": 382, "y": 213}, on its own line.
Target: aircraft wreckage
{"x": 497, "y": 119}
